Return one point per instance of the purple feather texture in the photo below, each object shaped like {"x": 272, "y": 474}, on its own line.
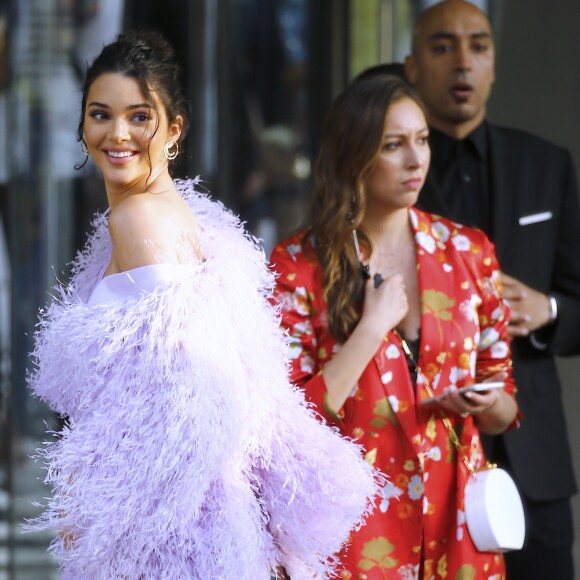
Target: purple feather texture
{"x": 188, "y": 454}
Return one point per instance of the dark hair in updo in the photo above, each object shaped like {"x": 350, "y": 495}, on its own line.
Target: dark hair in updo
{"x": 149, "y": 58}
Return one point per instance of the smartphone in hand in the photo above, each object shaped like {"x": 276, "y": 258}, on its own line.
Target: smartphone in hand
{"x": 475, "y": 387}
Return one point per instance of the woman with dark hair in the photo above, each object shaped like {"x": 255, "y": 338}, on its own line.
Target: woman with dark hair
{"x": 390, "y": 311}
{"x": 187, "y": 453}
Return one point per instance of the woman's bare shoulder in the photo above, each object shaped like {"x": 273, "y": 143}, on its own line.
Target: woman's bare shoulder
{"x": 151, "y": 229}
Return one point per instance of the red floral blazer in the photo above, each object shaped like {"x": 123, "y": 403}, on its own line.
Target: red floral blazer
{"x": 418, "y": 525}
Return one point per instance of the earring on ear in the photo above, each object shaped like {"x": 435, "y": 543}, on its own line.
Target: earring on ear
{"x": 84, "y": 148}
{"x": 171, "y": 150}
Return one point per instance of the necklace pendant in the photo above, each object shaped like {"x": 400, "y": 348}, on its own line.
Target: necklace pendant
{"x": 378, "y": 280}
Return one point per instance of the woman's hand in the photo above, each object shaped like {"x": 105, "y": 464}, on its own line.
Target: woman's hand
{"x": 472, "y": 402}
{"x": 493, "y": 410}
{"x": 384, "y": 307}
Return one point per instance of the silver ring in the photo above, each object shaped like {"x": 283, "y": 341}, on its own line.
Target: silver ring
{"x": 464, "y": 415}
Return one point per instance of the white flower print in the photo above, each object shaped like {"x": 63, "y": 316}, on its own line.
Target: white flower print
{"x": 426, "y": 242}
{"x": 425, "y": 505}
{"x": 488, "y": 337}
{"x": 294, "y": 349}
{"x": 434, "y": 454}
{"x": 468, "y": 309}
{"x": 461, "y": 242}
{"x": 456, "y": 374}
{"x": 472, "y": 362}
{"x": 302, "y": 327}
{"x": 460, "y": 525}
{"x": 498, "y": 313}
{"x": 447, "y": 268}
{"x": 307, "y": 364}
{"x": 499, "y": 349}
{"x": 389, "y": 492}
{"x": 408, "y": 572}
{"x": 440, "y": 231}
{"x": 392, "y": 352}
{"x": 294, "y": 250}
{"x": 387, "y": 377}
{"x": 300, "y": 301}
{"x": 394, "y": 402}
{"x": 415, "y": 487}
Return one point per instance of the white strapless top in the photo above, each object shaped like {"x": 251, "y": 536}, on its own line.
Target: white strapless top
{"x": 118, "y": 287}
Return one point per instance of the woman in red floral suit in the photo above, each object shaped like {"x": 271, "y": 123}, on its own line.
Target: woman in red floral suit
{"x": 367, "y": 273}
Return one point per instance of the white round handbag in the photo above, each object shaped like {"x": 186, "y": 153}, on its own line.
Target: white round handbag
{"x": 494, "y": 511}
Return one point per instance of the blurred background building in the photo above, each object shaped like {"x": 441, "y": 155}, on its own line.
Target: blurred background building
{"x": 260, "y": 76}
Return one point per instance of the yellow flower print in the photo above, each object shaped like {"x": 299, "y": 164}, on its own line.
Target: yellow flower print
{"x": 466, "y": 572}
{"x": 475, "y": 249}
{"x": 384, "y": 413}
{"x": 371, "y": 456}
{"x": 404, "y": 510}
{"x": 357, "y": 433}
{"x": 376, "y": 555}
{"x": 463, "y": 361}
{"x": 430, "y": 371}
{"x": 402, "y": 480}
{"x": 439, "y": 305}
{"x": 431, "y": 429}
{"x": 442, "y": 566}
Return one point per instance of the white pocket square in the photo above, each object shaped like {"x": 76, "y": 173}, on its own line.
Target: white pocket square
{"x": 535, "y": 218}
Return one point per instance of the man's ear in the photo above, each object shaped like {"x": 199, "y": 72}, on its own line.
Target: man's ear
{"x": 410, "y": 69}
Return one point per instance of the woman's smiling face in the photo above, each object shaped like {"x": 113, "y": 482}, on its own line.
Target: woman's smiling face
{"x": 125, "y": 133}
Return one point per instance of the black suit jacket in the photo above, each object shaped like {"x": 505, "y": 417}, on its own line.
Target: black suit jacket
{"x": 535, "y": 226}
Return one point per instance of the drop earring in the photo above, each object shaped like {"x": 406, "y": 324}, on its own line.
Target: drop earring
{"x": 171, "y": 150}
{"x": 84, "y": 148}
{"x": 350, "y": 215}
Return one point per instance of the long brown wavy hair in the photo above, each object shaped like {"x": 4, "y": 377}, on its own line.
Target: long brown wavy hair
{"x": 351, "y": 142}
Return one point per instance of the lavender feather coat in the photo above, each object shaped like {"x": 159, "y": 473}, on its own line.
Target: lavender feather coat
{"x": 188, "y": 455}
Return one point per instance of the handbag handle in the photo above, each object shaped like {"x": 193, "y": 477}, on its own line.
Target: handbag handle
{"x": 452, "y": 433}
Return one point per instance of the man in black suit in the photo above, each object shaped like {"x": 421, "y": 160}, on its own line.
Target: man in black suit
{"x": 521, "y": 190}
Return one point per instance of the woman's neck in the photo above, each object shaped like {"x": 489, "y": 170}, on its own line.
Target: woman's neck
{"x": 155, "y": 184}
{"x": 388, "y": 232}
